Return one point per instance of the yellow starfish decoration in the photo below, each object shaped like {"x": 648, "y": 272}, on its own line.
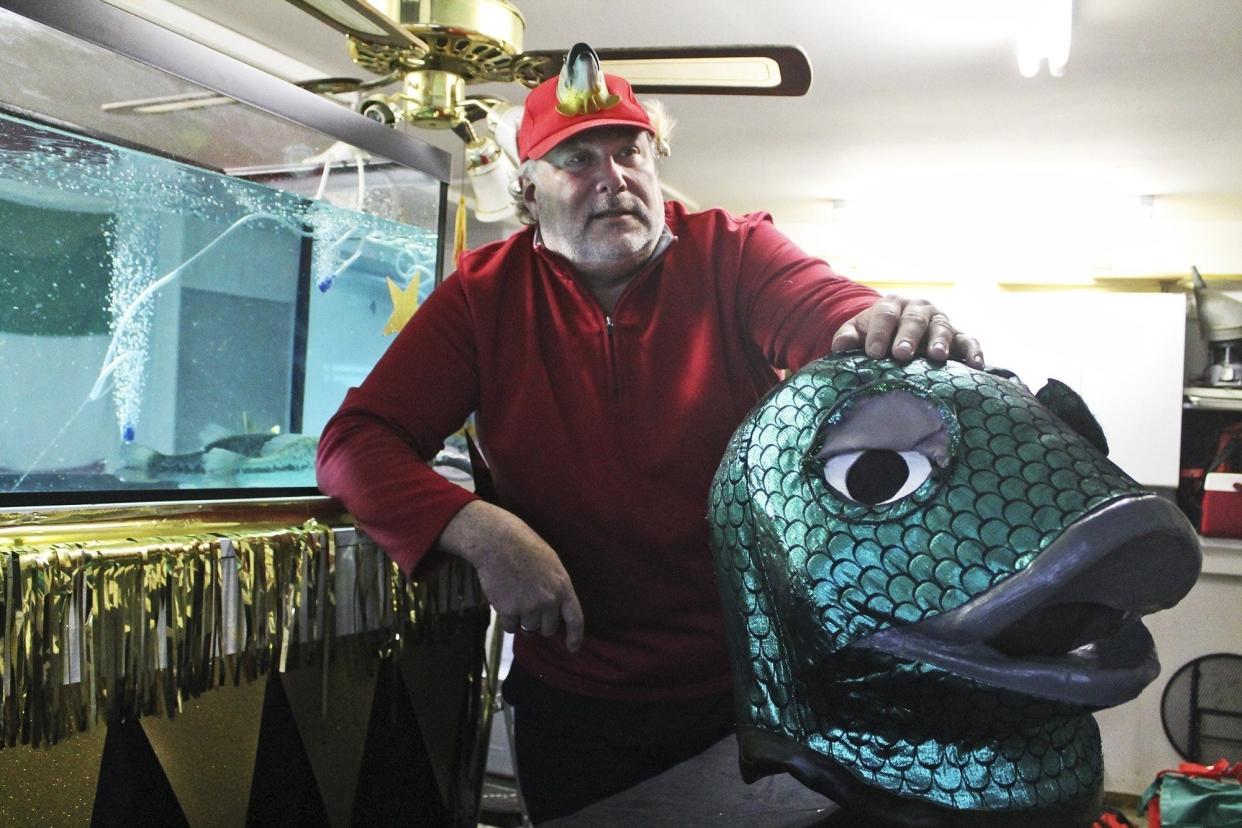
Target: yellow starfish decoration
{"x": 404, "y": 303}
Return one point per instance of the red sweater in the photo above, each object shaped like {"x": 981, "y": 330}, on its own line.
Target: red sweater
{"x": 601, "y": 433}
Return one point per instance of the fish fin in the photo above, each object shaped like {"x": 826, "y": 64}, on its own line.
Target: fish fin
{"x": 221, "y": 462}
{"x": 135, "y": 456}
{"x": 1065, "y": 402}
{"x": 1005, "y": 373}
{"x": 452, "y": 460}
{"x": 212, "y": 432}
{"x": 279, "y": 443}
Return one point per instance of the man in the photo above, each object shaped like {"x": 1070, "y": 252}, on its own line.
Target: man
{"x": 608, "y": 351}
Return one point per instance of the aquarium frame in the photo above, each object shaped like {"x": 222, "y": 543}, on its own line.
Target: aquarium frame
{"x": 97, "y": 22}
{"x": 301, "y": 334}
{"x": 133, "y": 37}
{"x": 440, "y": 231}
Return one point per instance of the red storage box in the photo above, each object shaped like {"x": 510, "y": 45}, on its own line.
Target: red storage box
{"x": 1222, "y": 505}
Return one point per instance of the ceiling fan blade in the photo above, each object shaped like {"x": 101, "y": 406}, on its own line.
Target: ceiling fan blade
{"x": 360, "y": 19}
{"x": 698, "y": 70}
{"x": 335, "y": 86}
{"x": 719, "y": 70}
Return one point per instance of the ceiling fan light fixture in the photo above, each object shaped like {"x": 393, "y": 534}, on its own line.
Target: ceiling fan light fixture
{"x": 489, "y": 171}
{"x": 503, "y": 121}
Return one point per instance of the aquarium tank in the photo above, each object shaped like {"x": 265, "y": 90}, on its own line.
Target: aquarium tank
{"x": 186, "y": 294}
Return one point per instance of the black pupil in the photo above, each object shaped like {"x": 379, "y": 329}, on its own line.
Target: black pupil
{"x": 876, "y": 476}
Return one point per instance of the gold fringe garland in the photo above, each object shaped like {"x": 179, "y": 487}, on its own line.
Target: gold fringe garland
{"x": 112, "y": 631}
{"x": 459, "y": 231}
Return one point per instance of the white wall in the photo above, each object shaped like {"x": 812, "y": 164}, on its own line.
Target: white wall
{"x": 1122, "y": 352}
{"x": 1062, "y": 241}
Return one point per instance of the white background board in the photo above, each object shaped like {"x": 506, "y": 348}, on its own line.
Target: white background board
{"x": 1122, "y": 352}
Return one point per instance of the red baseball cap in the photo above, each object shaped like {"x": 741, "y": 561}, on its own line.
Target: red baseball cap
{"x": 543, "y": 127}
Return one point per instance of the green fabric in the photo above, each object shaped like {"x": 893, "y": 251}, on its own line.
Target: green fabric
{"x": 1195, "y": 801}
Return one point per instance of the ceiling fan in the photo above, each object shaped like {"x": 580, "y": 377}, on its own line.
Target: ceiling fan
{"x": 437, "y": 48}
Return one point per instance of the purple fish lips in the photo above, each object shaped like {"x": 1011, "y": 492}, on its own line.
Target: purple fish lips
{"x": 1068, "y": 627}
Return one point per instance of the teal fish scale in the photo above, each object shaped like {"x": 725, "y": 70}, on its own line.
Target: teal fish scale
{"x": 804, "y": 573}
{"x": 921, "y": 732}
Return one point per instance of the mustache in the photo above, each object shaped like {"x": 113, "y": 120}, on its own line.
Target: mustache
{"x": 618, "y": 205}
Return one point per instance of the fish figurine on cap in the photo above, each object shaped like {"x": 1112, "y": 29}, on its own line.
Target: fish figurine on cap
{"x": 582, "y": 97}
{"x": 580, "y": 87}
{"x": 930, "y": 578}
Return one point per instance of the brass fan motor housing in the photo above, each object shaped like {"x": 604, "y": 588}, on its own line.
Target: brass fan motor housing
{"x": 474, "y": 39}
{"x": 431, "y": 98}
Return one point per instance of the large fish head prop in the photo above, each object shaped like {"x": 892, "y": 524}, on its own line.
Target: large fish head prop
{"x": 930, "y": 578}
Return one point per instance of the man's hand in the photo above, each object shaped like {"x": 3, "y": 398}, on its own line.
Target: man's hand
{"x": 521, "y": 575}
{"x": 905, "y": 328}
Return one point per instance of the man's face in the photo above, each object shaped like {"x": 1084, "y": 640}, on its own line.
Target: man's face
{"x": 597, "y": 199}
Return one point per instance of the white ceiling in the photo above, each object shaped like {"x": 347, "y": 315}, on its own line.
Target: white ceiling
{"x": 908, "y": 96}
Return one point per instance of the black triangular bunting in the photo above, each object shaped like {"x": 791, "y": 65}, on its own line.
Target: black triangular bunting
{"x": 133, "y": 789}
{"x": 396, "y": 785}
{"x": 283, "y": 790}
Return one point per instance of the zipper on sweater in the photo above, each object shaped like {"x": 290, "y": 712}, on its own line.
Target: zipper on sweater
{"x": 611, "y": 345}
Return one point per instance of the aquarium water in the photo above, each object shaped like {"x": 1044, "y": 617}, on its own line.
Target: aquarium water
{"x": 154, "y": 313}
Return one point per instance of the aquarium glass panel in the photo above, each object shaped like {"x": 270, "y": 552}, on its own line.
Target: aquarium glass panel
{"x": 99, "y": 92}
{"x": 169, "y": 331}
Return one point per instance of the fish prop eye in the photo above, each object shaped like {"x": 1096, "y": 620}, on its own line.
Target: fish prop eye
{"x": 880, "y": 445}
{"x": 876, "y": 476}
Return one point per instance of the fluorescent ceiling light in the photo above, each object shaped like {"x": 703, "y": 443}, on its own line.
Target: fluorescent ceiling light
{"x": 169, "y": 103}
{"x": 1044, "y": 35}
